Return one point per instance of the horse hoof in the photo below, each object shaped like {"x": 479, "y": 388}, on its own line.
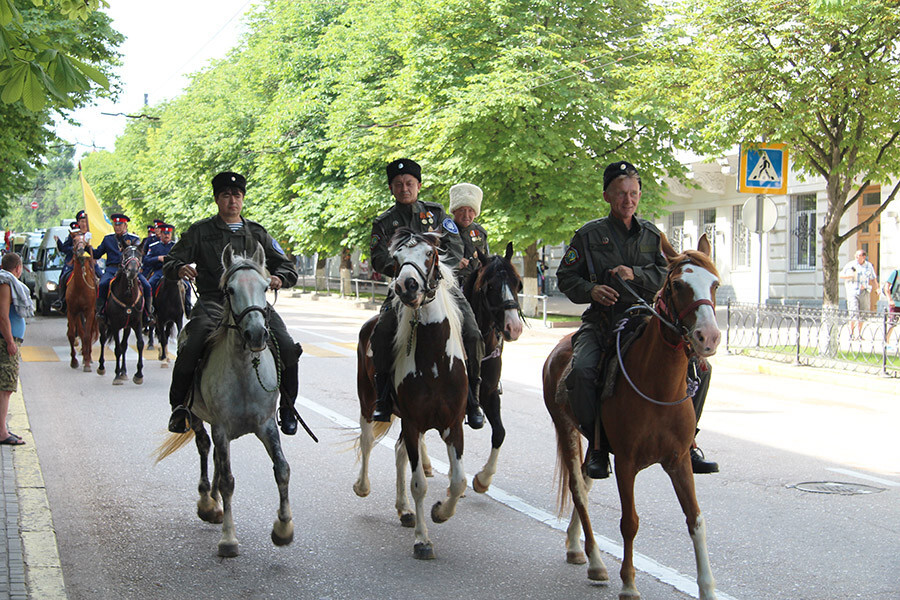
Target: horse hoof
{"x": 423, "y": 551}
{"x": 86, "y": 368}
{"x": 74, "y": 364}
{"x": 164, "y": 364}
{"x": 361, "y": 490}
{"x": 600, "y": 574}
{"x": 118, "y": 381}
{"x": 228, "y": 549}
{"x": 151, "y": 347}
{"x": 138, "y": 380}
{"x": 408, "y": 519}
{"x": 429, "y": 472}
{"x": 213, "y": 515}
{"x": 631, "y": 595}
{"x": 101, "y": 371}
{"x": 575, "y": 557}
{"x": 478, "y": 486}
{"x": 282, "y": 533}
{"x": 435, "y": 513}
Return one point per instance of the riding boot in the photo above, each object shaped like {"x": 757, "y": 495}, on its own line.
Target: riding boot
{"x": 474, "y": 416}
{"x": 384, "y": 402}
{"x": 597, "y": 466}
{"x": 180, "y": 420}
{"x": 702, "y": 372}
{"x": 290, "y": 386}
{"x": 60, "y": 302}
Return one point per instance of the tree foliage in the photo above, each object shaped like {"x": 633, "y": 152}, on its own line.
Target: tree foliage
{"x": 824, "y": 77}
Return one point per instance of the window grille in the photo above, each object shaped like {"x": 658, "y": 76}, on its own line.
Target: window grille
{"x": 676, "y": 230}
{"x": 740, "y": 256}
{"x": 708, "y": 226}
{"x": 803, "y": 232}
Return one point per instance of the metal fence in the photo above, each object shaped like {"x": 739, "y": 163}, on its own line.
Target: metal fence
{"x": 815, "y": 337}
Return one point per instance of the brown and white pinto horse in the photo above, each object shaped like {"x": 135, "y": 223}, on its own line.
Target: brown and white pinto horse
{"x": 492, "y": 291}
{"x": 429, "y": 376}
{"x": 648, "y": 420}
{"x": 81, "y": 302}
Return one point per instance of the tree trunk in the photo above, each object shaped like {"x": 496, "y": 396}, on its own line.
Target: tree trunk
{"x": 346, "y": 268}
{"x": 321, "y": 275}
{"x": 530, "y": 305}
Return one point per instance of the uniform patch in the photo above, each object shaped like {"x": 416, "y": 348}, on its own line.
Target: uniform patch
{"x": 450, "y": 226}
{"x": 571, "y": 256}
{"x": 374, "y": 242}
{"x": 277, "y": 247}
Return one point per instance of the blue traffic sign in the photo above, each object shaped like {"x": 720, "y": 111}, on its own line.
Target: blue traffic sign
{"x": 763, "y": 169}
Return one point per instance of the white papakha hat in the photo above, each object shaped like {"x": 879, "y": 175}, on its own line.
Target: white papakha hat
{"x": 465, "y": 194}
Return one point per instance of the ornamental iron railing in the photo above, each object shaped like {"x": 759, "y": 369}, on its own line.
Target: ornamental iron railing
{"x": 815, "y": 337}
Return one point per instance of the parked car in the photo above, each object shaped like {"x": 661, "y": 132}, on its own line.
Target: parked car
{"x": 47, "y": 266}
{"x": 27, "y": 244}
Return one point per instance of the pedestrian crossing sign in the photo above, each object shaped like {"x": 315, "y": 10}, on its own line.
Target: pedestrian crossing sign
{"x": 763, "y": 169}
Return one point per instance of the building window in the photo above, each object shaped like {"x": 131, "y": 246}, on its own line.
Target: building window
{"x": 872, "y": 198}
{"x": 740, "y": 255}
{"x": 676, "y": 230}
{"x": 803, "y": 232}
{"x": 708, "y": 226}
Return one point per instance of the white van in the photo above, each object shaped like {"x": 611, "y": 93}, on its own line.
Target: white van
{"x": 47, "y": 267}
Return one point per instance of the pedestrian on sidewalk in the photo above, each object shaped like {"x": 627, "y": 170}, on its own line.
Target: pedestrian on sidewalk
{"x": 15, "y": 306}
{"x": 858, "y": 275}
{"x": 891, "y": 289}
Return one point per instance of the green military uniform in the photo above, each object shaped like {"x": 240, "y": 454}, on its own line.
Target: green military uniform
{"x": 473, "y": 237}
{"x": 602, "y": 245}
{"x": 421, "y": 217}
{"x": 203, "y": 244}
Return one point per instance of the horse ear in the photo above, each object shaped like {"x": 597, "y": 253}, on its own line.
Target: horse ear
{"x": 509, "y": 251}
{"x": 704, "y": 246}
{"x": 482, "y": 257}
{"x": 259, "y": 255}
{"x": 667, "y": 249}
{"x": 227, "y": 256}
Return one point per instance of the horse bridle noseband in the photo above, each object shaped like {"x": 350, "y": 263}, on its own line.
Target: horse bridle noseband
{"x": 238, "y": 317}
{"x": 432, "y": 278}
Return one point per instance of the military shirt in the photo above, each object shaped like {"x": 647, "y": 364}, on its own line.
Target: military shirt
{"x": 112, "y": 246}
{"x": 473, "y": 237}
{"x": 204, "y": 242}
{"x": 611, "y": 245}
{"x": 66, "y": 248}
{"x": 151, "y": 262}
{"x": 421, "y": 217}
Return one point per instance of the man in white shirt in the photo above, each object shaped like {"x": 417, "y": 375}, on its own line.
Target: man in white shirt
{"x": 858, "y": 275}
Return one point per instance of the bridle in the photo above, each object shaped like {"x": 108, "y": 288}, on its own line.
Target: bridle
{"x": 431, "y": 278}
{"x": 238, "y": 317}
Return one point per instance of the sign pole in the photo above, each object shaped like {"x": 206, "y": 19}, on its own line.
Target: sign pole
{"x": 759, "y": 229}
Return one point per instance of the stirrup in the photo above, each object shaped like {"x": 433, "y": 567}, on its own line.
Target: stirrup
{"x": 288, "y": 419}
{"x": 384, "y": 410}
{"x": 597, "y": 465}
{"x": 180, "y": 420}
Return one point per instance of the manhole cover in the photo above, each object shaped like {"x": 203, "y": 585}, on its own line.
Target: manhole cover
{"x": 836, "y": 487}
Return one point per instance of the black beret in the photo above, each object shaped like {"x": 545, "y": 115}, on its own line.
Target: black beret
{"x": 119, "y": 218}
{"x": 404, "y": 166}
{"x": 618, "y": 169}
{"x": 228, "y": 179}
{"x": 80, "y": 215}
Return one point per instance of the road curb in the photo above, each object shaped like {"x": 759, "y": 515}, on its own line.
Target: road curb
{"x": 43, "y": 570}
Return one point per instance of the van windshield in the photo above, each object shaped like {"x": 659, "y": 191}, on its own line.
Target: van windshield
{"x": 55, "y": 260}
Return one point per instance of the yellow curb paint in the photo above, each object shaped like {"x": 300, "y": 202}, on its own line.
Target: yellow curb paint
{"x": 44, "y": 578}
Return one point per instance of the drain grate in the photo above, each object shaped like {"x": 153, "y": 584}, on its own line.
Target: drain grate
{"x": 836, "y": 487}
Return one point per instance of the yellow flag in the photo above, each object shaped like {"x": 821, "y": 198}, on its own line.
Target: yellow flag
{"x": 98, "y": 224}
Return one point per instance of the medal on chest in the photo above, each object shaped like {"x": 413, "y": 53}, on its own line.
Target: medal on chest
{"x": 427, "y": 219}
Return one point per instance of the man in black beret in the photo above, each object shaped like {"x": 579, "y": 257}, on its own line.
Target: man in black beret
{"x": 404, "y": 181}
{"x": 202, "y": 244}
{"x": 620, "y": 245}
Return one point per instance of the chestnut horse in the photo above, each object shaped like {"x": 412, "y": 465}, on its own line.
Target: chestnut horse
{"x": 648, "y": 418}
{"x": 81, "y": 302}
{"x": 492, "y": 291}
{"x": 429, "y": 376}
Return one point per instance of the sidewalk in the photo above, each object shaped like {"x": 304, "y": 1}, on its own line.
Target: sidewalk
{"x": 31, "y": 567}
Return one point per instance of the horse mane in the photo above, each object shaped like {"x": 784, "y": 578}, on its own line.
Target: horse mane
{"x": 443, "y": 294}
{"x": 405, "y": 235}
{"x": 476, "y": 282}
{"x": 219, "y": 312}
{"x": 698, "y": 258}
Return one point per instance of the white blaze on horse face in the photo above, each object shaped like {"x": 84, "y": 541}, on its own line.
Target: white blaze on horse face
{"x": 705, "y": 334}
{"x": 409, "y": 284}
{"x": 512, "y": 323}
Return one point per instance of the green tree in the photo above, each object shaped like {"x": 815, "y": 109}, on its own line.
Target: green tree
{"x": 824, "y": 77}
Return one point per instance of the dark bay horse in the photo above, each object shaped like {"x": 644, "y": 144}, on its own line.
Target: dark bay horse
{"x": 168, "y": 308}
{"x": 492, "y": 291}
{"x": 81, "y": 302}
{"x": 124, "y": 309}
{"x": 648, "y": 418}
{"x": 429, "y": 376}
{"x": 236, "y": 393}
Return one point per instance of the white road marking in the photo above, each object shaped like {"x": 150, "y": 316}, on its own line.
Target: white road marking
{"x": 859, "y": 475}
{"x": 645, "y": 564}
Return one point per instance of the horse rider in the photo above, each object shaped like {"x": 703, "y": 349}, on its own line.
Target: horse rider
{"x": 202, "y": 244}
{"x": 67, "y": 248}
{"x": 405, "y": 181}
{"x": 112, "y": 246}
{"x": 465, "y": 206}
{"x": 156, "y": 255}
{"x": 152, "y": 236}
{"x": 620, "y": 245}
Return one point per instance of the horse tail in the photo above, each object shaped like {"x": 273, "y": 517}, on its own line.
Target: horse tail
{"x": 95, "y": 330}
{"x": 562, "y": 474}
{"x": 172, "y": 444}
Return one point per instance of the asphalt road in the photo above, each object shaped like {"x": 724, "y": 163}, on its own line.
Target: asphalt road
{"x": 127, "y": 528}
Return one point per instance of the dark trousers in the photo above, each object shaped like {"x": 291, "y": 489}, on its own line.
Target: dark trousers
{"x": 190, "y": 352}
{"x": 383, "y": 338}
